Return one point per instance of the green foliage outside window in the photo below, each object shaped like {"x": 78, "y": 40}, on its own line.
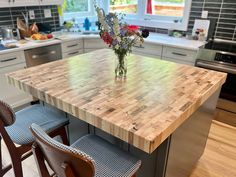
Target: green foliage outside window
{"x": 77, "y": 6}
{"x": 119, "y": 2}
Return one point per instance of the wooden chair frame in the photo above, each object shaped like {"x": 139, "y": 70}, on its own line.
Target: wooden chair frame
{"x": 18, "y": 154}
{"x": 43, "y": 151}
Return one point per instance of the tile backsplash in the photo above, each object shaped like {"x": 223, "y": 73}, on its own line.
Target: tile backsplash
{"x": 223, "y": 12}
{"x": 8, "y": 16}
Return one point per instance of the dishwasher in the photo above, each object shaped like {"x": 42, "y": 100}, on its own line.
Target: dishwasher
{"x": 41, "y": 55}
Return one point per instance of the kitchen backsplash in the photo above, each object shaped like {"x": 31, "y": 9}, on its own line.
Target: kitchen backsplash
{"x": 221, "y": 11}
{"x": 8, "y": 16}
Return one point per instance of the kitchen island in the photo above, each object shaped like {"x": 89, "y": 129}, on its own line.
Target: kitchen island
{"x": 161, "y": 112}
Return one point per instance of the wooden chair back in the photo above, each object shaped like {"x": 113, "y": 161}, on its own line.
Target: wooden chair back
{"x": 7, "y": 115}
{"x": 63, "y": 160}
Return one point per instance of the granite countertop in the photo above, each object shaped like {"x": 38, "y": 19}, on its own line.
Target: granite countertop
{"x": 142, "y": 110}
{"x": 154, "y": 38}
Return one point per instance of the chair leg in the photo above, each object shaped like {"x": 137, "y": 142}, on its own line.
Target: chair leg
{"x": 64, "y": 137}
{"x": 17, "y": 166}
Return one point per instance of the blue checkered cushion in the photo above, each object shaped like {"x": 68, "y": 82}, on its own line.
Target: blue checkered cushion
{"x": 110, "y": 161}
{"x": 48, "y": 118}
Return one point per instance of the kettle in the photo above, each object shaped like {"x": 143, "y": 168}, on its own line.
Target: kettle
{"x": 9, "y": 33}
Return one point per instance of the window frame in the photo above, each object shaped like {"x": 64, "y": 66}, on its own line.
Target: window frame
{"x": 141, "y": 18}
{"x": 67, "y": 16}
{"x": 156, "y": 21}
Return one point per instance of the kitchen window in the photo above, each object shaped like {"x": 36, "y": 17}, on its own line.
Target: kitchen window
{"x": 167, "y": 14}
{"x": 78, "y": 8}
{"x": 124, "y": 6}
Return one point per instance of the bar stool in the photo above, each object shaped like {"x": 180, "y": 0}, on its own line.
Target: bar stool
{"x": 14, "y": 129}
{"x": 90, "y": 156}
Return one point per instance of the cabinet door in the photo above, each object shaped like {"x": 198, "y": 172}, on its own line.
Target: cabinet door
{"x": 4, "y": 3}
{"x": 17, "y": 3}
{"x": 94, "y": 44}
{"x": 10, "y": 94}
{"x": 51, "y": 2}
{"x": 178, "y": 61}
{"x": 149, "y": 49}
{"x": 72, "y": 45}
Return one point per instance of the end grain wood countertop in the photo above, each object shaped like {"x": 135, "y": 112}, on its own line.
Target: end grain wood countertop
{"x": 143, "y": 110}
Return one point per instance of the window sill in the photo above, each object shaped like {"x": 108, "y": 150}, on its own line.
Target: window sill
{"x": 157, "y": 24}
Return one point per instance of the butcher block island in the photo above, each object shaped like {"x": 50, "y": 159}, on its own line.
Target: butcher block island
{"x": 161, "y": 111}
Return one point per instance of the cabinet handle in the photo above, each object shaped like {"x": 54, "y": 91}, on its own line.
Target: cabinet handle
{"x": 9, "y": 1}
{"x": 6, "y": 60}
{"x": 72, "y": 53}
{"x": 44, "y": 54}
{"x": 74, "y": 45}
{"x": 180, "y": 54}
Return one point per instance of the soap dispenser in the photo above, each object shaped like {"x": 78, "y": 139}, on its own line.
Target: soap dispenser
{"x": 87, "y": 24}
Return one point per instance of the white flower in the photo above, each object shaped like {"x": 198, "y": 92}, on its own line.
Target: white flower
{"x": 118, "y": 39}
{"x": 116, "y": 26}
{"x": 101, "y": 19}
{"x": 117, "y": 46}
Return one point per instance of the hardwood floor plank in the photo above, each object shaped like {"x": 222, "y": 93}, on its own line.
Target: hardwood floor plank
{"x": 219, "y": 159}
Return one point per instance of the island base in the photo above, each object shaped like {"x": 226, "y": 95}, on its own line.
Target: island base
{"x": 177, "y": 155}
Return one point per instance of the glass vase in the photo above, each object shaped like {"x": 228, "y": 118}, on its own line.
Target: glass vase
{"x": 121, "y": 66}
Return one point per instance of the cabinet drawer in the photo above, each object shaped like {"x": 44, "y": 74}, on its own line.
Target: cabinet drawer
{"x": 10, "y": 94}
{"x": 178, "y": 61}
{"x": 12, "y": 58}
{"x": 89, "y": 50}
{"x": 180, "y": 54}
{"x": 72, "y": 45}
{"x": 72, "y": 53}
{"x": 149, "y": 49}
{"x": 94, "y": 44}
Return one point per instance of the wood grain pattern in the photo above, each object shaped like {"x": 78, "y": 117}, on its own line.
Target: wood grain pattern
{"x": 143, "y": 110}
{"x": 219, "y": 158}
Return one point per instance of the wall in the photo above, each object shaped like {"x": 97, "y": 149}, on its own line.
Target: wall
{"x": 8, "y": 16}
{"x": 222, "y": 11}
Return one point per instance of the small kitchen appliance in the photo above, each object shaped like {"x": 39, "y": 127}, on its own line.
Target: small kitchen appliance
{"x": 9, "y": 33}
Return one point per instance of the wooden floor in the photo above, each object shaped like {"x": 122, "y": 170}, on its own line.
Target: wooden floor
{"x": 219, "y": 159}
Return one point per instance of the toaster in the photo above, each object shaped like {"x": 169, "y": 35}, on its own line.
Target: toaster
{"x": 9, "y": 33}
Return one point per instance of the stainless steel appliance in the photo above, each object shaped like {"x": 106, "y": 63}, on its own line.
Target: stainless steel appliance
{"x": 10, "y": 33}
{"x": 43, "y": 55}
{"x": 220, "y": 55}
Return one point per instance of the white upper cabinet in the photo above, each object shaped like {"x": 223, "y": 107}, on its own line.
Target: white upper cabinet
{"x": 17, "y": 3}
{"x": 51, "y": 2}
{"x": 4, "y": 3}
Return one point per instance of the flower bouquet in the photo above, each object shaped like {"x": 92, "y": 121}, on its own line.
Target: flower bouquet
{"x": 121, "y": 37}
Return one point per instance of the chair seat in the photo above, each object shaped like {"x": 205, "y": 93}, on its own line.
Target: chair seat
{"x": 110, "y": 161}
{"x": 48, "y": 118}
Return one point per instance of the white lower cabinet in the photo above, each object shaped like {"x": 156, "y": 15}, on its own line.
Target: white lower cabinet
{"x": 178, "y": 61}
{"x": 92, "y": 44}
{"x": 72, "y": 53}
{"x": 72, "y": 48}
{"x": 10, "y": 94}
{"x": 149, "y": 49}
{"x": 179, "y": 55}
